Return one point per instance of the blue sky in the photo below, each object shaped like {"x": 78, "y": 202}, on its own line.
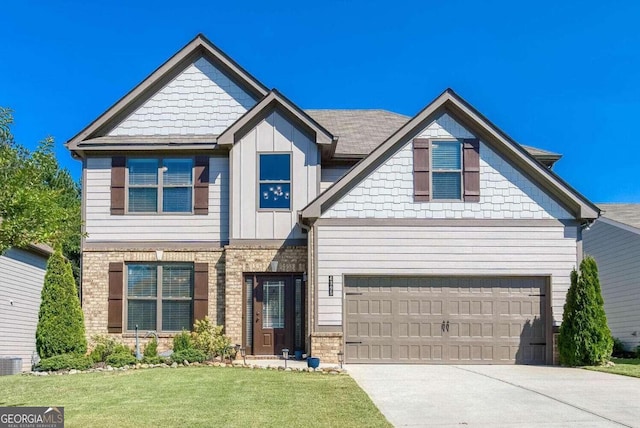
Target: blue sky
{"x": 562, "y": 76}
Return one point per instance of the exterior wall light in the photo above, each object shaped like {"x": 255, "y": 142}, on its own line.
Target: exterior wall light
{"x": 274, "y": 266}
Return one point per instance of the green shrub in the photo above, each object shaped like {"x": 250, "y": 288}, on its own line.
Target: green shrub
{"x": 64, "y": 362}
{"x": 585, "y": 338}
{"x": 119, "y": 359}
{"x": 182, "y": 341}
{"x": 153, "y": 360}
{"x": 60, "y": 321}
{"x": 209, "y": 339}
{"x": 191, "y": 355}
{"x": 103, "y": 346}
{"x": 618, "y": 348}
{"x": 151, "y": 348}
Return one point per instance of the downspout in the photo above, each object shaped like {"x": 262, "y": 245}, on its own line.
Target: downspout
{"x": 310, "y": 318}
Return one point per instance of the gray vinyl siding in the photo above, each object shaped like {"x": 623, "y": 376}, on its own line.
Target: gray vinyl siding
{"x": 21, "y": 279}
{"x": 102, "y": 226}
{"x": 331, "y": 174}
{"x": 273, "y": 134}
{"x": 516, "y": 250}
{"x": 617, "y": 252}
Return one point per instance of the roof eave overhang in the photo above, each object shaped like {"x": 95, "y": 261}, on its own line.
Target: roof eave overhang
{"x": 276, "y": 101}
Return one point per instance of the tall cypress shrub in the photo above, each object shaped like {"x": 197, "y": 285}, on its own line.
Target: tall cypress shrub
{"x": 60, "y": 320}
{"x": 585, "y": 338}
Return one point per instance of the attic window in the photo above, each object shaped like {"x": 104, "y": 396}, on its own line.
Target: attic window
{"x": 446, "y": 163}
{"x": 274, "y": 186}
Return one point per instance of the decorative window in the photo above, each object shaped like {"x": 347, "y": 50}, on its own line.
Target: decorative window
{"x": 273, "y": 304}
{"x": 274, "y": 181}
{"x": 446, "y": 170}
{"x": 160, "y": 185}
{"x": 159, "y": 296}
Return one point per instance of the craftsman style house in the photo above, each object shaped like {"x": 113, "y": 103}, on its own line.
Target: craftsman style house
{"x": 430, "y": 239}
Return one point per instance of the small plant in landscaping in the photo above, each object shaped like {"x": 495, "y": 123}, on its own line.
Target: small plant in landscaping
{"x": 65, "y": 362}
{"x": 191, "y": 355}
{"x": 209, "y": 339}
{"x": 182, "y": 341}
{"x": 585, "y": 338}
{"x": 153, "y": 360}
{"x": 102, "y": 347}
{"x": 120, "y": 359}
{"x": 60, "y": 320}
{"x": 618, "y": 348}
{"x": 151, "y": 348}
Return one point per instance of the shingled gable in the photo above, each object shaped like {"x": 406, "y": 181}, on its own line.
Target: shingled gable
{"x": 276, "y": 101}
{"x": 451, "y": 103}
{"x": 200, "y": 46}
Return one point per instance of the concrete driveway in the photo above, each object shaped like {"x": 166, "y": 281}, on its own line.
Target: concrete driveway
{"x": 499, "y": 396}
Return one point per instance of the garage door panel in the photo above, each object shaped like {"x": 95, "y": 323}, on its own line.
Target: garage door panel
{"x": 404, "y": 319}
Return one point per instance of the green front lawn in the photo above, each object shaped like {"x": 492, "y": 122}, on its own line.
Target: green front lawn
{"x": 623, "y": 366}
{"x": 197, "y": 397}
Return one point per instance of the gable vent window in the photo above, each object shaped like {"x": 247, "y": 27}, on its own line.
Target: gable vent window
{"x": 160, "y": 185}
{"x": 446, "y": 163}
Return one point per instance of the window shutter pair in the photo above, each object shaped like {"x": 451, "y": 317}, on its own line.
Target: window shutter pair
{"x": 116, "y": 292}
{"x": 471, "y": 169}
{"x": 200, "y": 185}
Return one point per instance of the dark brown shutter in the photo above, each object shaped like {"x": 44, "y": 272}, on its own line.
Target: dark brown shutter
{"x": 201, "y": 186}
{"x": 471, "y": 165}
{"x": 421, "y": 169}
{"x": 116, "y": 283}
{"x": 200, "y": 291}
{"x": 118, "y": 165}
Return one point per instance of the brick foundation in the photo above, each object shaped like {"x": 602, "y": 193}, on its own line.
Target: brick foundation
{"x": 326, "y": 346}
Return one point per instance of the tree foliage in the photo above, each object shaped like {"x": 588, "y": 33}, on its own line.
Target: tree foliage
{"x": 39, "y": 201}
{"x": 60, "y": 320}
{"x": 585, "y": 338}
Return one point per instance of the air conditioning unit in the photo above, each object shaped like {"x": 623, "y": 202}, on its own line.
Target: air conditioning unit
{"x": 10, "y": 365}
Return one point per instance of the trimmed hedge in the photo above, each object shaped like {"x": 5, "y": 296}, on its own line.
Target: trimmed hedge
{"x": 65, "y": 362}
{"x": 191, "y": 355}
{"x": 119, "y": 359}
{"x": 60, "y": 321}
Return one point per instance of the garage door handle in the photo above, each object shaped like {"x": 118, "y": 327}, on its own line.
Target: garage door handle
{"x": 352, "y": 343}
{"x": 447, "y": 326}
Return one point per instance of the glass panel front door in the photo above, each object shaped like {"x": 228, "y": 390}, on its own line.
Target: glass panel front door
{"x": 273, "y": 304}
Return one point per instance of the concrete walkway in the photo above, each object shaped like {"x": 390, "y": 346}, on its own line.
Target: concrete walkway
{"x": 499, "y": 396}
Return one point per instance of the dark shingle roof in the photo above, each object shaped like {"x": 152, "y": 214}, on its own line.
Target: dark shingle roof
{"x": 361, "y": 131}
{"x": 622, "y": 213}
{"x": 358, "y": 131}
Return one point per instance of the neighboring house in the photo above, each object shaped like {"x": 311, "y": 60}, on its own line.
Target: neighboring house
{"x": 614, "y": 241}
{"x": 205, "y": 193}
{"x": 21, "y": 279}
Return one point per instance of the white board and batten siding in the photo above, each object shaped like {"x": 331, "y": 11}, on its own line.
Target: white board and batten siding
{"x": 21, "y": 279}
{"x": 616, "y": 249}
{"x": 273, "y": 134}
{"x": 101, "y": 226}
{"x": 201, "y": 100}
{"x": 519, "y": 249}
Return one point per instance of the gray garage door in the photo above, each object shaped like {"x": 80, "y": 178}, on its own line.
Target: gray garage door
{"x": 446, "y": 320}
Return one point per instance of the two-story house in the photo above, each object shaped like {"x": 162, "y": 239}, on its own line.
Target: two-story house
{"x": 435, "y": 238}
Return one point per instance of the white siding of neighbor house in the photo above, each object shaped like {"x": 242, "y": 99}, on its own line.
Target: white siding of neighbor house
{"x": 199, "y": 101}
{"x": 21, "y": 279}
{"x": 440, "y": 251}
{"x": 617, "y": 252}
{"x": 331, "y": 174}
{"x": 102, "y": 226}
{"x": 273, "y": 134}
{"x": 505, "y": 193}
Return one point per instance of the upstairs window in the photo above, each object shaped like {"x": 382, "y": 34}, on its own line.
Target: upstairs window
{"x": 446, "y": 170}
{"x": 274, "y": 181}
{"x": 160, "y": 185}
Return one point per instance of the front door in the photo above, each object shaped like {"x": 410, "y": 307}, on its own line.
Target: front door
{"x": 277, "y": 314}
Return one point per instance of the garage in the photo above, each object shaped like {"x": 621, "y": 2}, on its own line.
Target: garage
{"x": 447, "y": 320}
